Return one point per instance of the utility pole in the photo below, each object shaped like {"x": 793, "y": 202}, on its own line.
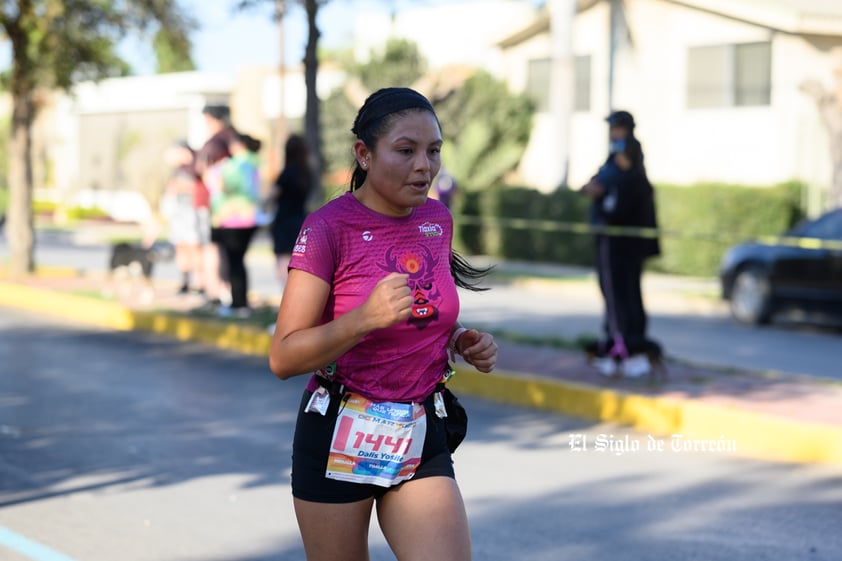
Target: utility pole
{"x": 614, "y": 30}
{"x": 562, "y": 76}
{"x": 281, "y": 123}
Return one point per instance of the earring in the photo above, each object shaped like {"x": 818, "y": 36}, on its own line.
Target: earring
{"x": 363, "y": 164}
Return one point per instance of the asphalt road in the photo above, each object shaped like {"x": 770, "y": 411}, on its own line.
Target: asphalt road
{"x": 685, "y": 315}
{"x": 129, "y": 446}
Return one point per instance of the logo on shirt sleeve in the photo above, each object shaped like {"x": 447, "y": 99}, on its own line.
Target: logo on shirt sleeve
{"x": 301, "y": 243}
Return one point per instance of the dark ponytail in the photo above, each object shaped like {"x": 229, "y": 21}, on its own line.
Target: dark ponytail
{"x": 358, "y": 177}
{"x": 466, "y": 275}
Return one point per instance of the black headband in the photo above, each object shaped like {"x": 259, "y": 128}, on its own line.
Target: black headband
{"x": 387, "y": 101}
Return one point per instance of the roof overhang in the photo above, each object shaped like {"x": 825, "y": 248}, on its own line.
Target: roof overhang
{"x": 541, "y": 24}
{"x": 798, "y": 17}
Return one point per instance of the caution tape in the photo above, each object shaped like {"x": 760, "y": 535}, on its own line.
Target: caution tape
{"x": 803, "y": 243}
{"x": 639, "y": 232}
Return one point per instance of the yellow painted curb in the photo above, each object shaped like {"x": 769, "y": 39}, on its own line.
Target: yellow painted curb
{"x": 47, "y": 272}
{"x": 698, "y": 424}
{"x": 90, "y": 311}
{"x": 753, "y": 434}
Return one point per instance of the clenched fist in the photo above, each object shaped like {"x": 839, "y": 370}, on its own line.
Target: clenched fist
{"x": 478, "y": 349}
{"x": 390, "y": 302}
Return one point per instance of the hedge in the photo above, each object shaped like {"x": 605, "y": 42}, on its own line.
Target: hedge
{"x": 698, "y": 223}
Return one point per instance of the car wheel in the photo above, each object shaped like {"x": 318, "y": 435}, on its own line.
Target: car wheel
{"x": 751, "y": 301}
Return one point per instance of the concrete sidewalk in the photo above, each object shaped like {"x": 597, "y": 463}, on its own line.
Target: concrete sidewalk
{"x": 792, "y": 419}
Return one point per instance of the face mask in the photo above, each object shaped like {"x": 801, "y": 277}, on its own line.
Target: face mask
{"x": 617, "y": 146}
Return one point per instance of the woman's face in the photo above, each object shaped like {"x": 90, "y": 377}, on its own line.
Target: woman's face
{"x": 618, "y": 132}
{"x": 402, "y": 165}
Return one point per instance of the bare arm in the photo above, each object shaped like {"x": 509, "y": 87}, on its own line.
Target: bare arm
{"x": 301, "y": 345}
{"x": 592, "y": 189}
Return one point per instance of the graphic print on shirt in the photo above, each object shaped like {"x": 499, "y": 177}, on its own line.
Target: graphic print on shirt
{"x": 420, "y": 264}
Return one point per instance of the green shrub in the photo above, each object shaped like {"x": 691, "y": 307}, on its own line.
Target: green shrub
{"x": 4, "y": 201}
{"x": 468, "y": 235}
{"x": 543, "y": 242}
{"x": 538, "y": 237}
{"x": 43, "y": 207}
{"x": 72, "y": 213}
{"x": 86, "y": 213}
{"x": 698, "y": 223}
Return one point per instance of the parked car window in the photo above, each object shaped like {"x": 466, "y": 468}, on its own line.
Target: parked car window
{"x": 828, "y": 227}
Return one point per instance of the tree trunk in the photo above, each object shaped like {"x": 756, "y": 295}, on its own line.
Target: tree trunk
{"x": 20, "y": 228}
{"x": 835, "y": 197}
{"x": 829, "y": 106}
{"x": 311, "y": 118}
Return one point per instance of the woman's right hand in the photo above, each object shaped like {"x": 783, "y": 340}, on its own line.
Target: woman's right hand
{"x": 389, "y": 303}
{"x": 593, "y": 189}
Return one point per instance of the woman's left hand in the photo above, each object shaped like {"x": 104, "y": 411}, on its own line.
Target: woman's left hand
{"x": 478, "y": 349}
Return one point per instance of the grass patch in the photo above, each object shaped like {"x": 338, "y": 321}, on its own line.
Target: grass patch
{"x": 261, "y": 316}
{"x": 95, "y": 294}
{"x": 555, "y": 342}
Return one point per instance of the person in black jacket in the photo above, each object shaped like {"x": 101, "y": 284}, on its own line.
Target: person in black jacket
{"x": 290, "y": 194}
{"x": 623, "y": 196}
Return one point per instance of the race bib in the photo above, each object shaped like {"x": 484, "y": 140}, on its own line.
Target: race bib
{"x": 378, "y": 443}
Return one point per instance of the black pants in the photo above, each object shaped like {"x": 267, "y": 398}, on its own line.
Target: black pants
{"x": 234, "y": 242}
{"x": 619, "y": 274}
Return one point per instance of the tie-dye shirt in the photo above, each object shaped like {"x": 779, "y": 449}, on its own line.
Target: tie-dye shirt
{"x": 352, "y": 247}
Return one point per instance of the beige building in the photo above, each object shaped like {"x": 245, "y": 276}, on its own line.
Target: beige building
{"x": 103, "y": 144}
{"x": 714, "y": 86}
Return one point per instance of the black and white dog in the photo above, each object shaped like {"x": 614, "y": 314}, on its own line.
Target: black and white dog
{"x": 138, "y": 262}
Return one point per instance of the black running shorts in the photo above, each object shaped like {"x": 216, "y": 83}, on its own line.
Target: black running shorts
{"x": 311, "y": 444}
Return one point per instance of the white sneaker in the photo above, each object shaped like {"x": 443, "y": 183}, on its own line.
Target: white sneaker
{"x": 606, "y": 366}
{"x": 237, "y": 313}
{"x": 636, "y": 366}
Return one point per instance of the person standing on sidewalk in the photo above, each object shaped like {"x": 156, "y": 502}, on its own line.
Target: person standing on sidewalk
{"x": 371, "y": 305}
{"x": 623, "y": 196}
{"x": 209, "y": 160}
{"x": 235, "y": 213}
{"x": 180, "y": 211}
{"x": 289, "y": 194}
{"x": 444, "y": 188}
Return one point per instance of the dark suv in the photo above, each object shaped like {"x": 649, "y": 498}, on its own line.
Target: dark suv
{"x": 800, "y": 270}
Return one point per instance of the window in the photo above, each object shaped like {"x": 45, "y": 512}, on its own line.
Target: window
{"x": 539, "y": 77}
{"x": 826, "y": 227}
{"x": 729, "y": 75}
{"x": 582, "y": 80}
{"x": 538, "y": 83}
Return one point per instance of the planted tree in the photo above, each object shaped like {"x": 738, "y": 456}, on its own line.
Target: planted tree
{"x": 312, "y": 130}
{"x": 55, "y": 44}
{"x": 486, "y": 130}
{"x": 399, "y": 63}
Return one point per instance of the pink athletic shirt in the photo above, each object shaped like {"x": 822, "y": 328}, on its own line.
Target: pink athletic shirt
{"x": 352, "y": 247}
